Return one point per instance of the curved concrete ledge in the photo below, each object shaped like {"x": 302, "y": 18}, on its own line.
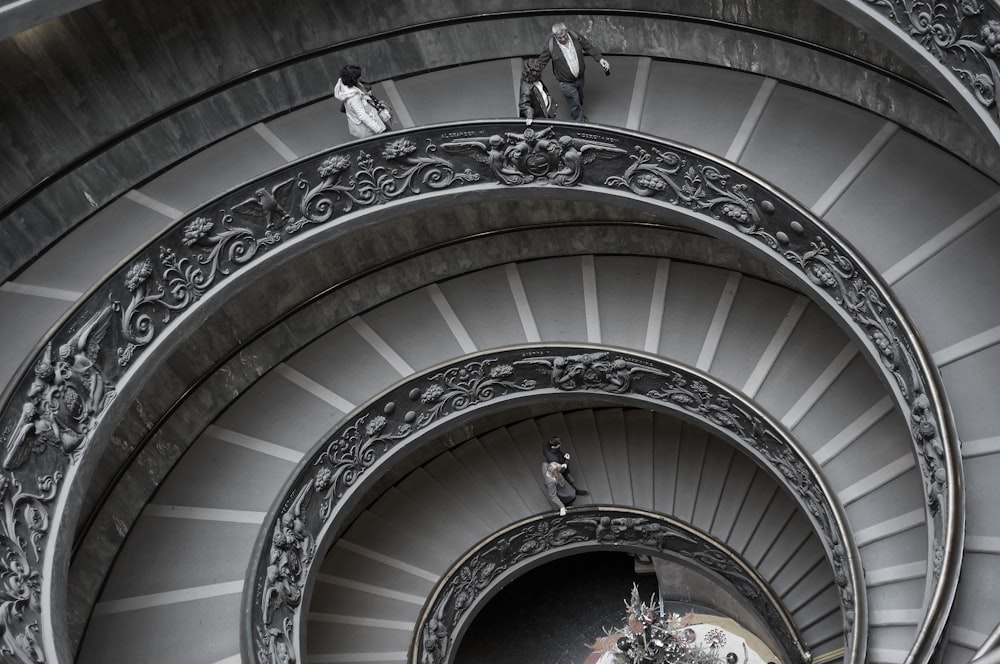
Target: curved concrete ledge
{"x": 258, "y": 38}
{"x": 197, "y": 261}
{"x": 56, "y": 206}
{"x": 950, "y": 45}
{"x": 328, "y": 483}
{"x": 503, "y": 557}
{"x": 148, "y": 444}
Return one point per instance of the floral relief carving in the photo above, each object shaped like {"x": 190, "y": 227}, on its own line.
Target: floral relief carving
{"x": 213, "y": 245}
{"x": 964, "y": 36}
{"x": 457, "y": 388}
{"x": 695, "y": 184}
{"x": 401, "y": 172}
{"x": 26, "y": 518}
{"x": 538, "y": 537}
{"x": 61, "y": 399}
{"x": 364, "y": 441}
{"x": 692, "y": 182}
{"x": 395, "y": 420}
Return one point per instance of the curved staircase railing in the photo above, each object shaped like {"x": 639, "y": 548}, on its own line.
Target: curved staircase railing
{"x": 463, "y": 590}
{"x": 56, "y": 418}
{"x": 958, "y": 41}
{"x": 959, "y": 33}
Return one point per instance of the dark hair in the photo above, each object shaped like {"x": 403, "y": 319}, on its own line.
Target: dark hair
{"x": 530, "y": 71}
{"x": 350, "y": 75}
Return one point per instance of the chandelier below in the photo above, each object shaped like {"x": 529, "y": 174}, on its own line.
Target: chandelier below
{"x": 651, "y": 635}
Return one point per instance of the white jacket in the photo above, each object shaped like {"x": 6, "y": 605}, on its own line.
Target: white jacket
{"x": 362, "y": 116}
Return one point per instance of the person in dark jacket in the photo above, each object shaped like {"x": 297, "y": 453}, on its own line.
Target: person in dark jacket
{"x": 535, "y": 100}
{"x": 552, "y": 452}
{"x": 566, "y": 49}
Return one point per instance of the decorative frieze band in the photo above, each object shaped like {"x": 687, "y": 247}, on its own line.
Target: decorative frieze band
{"x": 49, "y": 415}
{"x": 459, "y": 595}
{"x": 343, "y": 466}
{"x": 963, "y": 35}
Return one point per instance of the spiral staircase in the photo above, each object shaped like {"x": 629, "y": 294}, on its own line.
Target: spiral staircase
{"x": 140, "y": 539}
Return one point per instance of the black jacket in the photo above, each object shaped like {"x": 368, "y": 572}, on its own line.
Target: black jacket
{"x": 531, "y": 103}
{"x": 551, "y": 455}
{"x": 553, "y": 53}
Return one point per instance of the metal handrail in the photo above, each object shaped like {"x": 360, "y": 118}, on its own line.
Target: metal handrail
{"x": 182, "y": 105}
{"x": 102, "y": 344}
{"x": 496, "y": 560}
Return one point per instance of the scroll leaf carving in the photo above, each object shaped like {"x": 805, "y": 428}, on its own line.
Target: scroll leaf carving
{"x": 62, "y": 399}
{"x": 398, "y": 418}
{"x": 26, "y": 520}
{"x": 963, "y": 35}
{"x": 704, "y": 187}
{"x": 461, "y": 588}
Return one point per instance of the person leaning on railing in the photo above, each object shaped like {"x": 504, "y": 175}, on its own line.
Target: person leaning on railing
{"x": 535, "y": 100}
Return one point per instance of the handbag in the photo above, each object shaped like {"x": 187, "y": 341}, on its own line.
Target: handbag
{"x": 381, "y": 108}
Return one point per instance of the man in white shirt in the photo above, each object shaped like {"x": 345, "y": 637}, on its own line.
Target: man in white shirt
{"x": 566, "y": 50}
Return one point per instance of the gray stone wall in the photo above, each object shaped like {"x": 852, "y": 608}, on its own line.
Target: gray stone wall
{"x": 114, "y": 93}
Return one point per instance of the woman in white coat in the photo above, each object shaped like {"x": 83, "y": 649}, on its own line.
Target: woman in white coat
{"x": 363, "y": 114}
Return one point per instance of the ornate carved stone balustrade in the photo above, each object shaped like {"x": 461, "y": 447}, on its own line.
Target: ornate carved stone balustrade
{"x": 463, "y": 590}
{"x": 327, "y": 486}
{"x": 58, "y": 414}
{"x": 962, "y": 36}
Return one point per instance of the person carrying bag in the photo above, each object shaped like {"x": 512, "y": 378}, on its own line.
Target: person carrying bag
{"x": 366, "y": 115}
{"x": 383, "y": 109}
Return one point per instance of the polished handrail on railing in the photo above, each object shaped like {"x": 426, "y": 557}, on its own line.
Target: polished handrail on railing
{"x": 183, "y": 105}
{"x": 329, "y": 485}
{"x": 989, "y": 651}
{"x": 496, "y": 560}
{"x": 98, "y": 350}
{"x": 957, "y": 41}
